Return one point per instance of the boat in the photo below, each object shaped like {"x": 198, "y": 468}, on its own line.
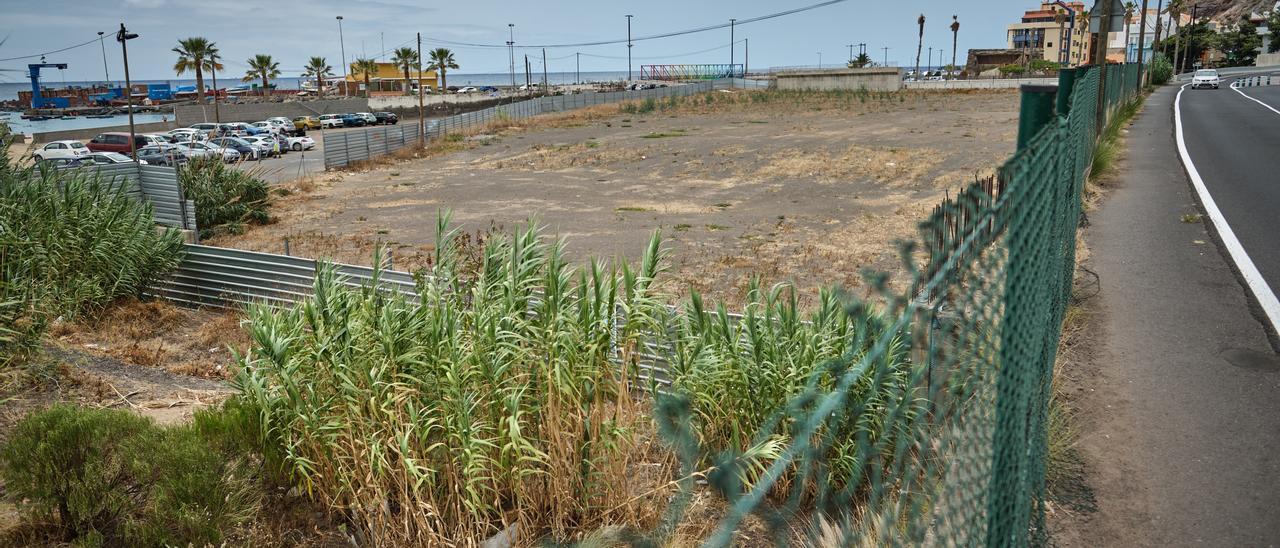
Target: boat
{"x": 67, "y": 117}
{"x": 100, "y": 116}
{"x": 37, "y": 118}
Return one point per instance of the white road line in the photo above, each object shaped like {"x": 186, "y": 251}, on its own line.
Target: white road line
{"x": 1237, "y": 90}
{"x": 1252, "y": 277}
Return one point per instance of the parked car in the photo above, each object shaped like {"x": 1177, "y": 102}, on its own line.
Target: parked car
{"x": 208, "y": 128}
{"x": 388, "y": 118}
{"x": 306, "y": 122}
{"x": 527, "y": 87}
{"x": 286, "y": 125}
{"x": 301, "y": 143}
{"x": 267, "y": 127}
{"x": 353, "y": 120}
{"x": 194, "y": 149}
{"x": 175, "y": 133}
{"x": 228, "y": 154}
{"x": 488, "y": 89}
{"x": 266, "y": 146}
{"x": 369, "y": 118}
{"x": 158, "y": 139}
{"x": 162, "y": 156}
{"x": 241, "y": 128}
{"x": 468, "y": 89}
{"x": 116, "y": 142}
{"x": 108, "y": 158}
{"x": 61, "y": 149}
{"x": 280, "y": 141}
{"x": 1206, "y": 78}
{"x": 247, "y": 151}
{"x": 63, "y": 162}
{"x": 330, "y": 120}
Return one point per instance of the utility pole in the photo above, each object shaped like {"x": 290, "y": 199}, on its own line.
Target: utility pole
{"x": 732, "y": 24}
{"x": 1156, "y": 39}
{"x": 746, "y": 56}
{"x": 886, "y": 56}
{"x": 1186, "y": 48}
{"x": 123, "y": 37}
{"x": 105, "y": 72}
{"x": 577, "y": 67}
{"x": 819, "y": 60}
{"x": 213, "y": 71}
{"x": 850, "y": 53}
{"x": 382, "y": 37}
{"x": 422, "y": 119}
{"x": 1142, "y": 42}
{"x": 928, "y": 63}
{"x": 545, "y": 83}
{"x": 628, "y": 48}
{"x": 1104, "y": 33}
{"x": 342, "y": 43}
{"x": 511, "y": 50}
{"x": 527, "y": 79}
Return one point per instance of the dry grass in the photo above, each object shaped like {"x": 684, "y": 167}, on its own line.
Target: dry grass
{"x": 162, "y": 335}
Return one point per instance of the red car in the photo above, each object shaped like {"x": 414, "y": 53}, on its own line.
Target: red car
{"x": 116, "y": 142}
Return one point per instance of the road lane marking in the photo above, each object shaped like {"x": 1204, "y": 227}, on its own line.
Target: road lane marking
{"x": 1246, "y": 96}
{"x": 1252, "y": 277}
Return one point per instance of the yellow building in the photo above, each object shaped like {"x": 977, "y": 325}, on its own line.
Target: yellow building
{"x": 1047, "y": 33}
{"x": 388, "y": 80}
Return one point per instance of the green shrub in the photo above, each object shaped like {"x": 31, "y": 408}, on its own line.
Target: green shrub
{"x": 648, "y": 105}
{"x": 112, "y": 477}
{"x": 1161, "y": 70}
{"x": 70, "y": 242}
{"x": 1044, "y": 65}
{"x": 226, "y": 199}
{"x": 1012, "y": 69}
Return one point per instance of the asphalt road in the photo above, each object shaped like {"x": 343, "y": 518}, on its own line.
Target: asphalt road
{"x": 1179, "y": 404}
{"x": 294, "y": 165}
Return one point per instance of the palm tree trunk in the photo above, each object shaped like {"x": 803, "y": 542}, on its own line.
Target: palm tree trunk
{"x": 444, "y": 83}
{"x": 320, "y": 85}
{"x": 406, "y": 80}
{"x": 265, "y": 90}
{"x": 199, "y": 85}
{"x": 367, "y": 88}
{"x": 919, "y": 46}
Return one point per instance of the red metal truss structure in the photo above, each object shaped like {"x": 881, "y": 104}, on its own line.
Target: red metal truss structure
{"x": 690, "y": 72}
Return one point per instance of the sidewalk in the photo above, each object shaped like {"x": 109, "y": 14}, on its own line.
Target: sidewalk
{"x": 1179, "y": 409}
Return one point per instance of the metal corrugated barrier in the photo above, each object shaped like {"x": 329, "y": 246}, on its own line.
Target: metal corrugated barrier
{"x": 157, "y": 185}
{"x": 341, "y": 149}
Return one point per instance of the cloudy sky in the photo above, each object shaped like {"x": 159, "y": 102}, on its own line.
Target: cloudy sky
{"x": 291, "y": 31}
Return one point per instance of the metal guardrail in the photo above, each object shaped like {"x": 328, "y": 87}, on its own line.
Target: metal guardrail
{"x": 341, "y": 149}
{"x": 157, "y": 185}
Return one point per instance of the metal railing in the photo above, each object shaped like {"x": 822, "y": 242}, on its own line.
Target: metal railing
{"x": 342, "y": 149}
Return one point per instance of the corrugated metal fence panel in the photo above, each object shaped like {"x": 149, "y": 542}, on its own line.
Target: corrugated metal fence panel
{"x": 159, "y": 184}
{"x": 229, "y": 278}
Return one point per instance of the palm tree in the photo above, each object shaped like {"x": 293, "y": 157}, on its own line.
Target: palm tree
{"x": 442, "y": 61}
{"x": 861, "y": 61}
{"x": 318, "y": 68}
{"x": 919, "y": 45}
{"x": 405, "y": 58}
{"x": 1129, "y": 8}
{"x": 196, "y": 54}
{"x": 261, "y": 66}
{"x": 955, "y": 37}
{"x": 1175, "y": 13}
{"x": 366, "y": 68}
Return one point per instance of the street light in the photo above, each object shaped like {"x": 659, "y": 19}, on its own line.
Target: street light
{"x": 105, "y": 72}
{"x": 346, "y": 88}
{"x": 628, "y": 48}
{"x": 123, "y": 37}
{"x": 511, "y": 50}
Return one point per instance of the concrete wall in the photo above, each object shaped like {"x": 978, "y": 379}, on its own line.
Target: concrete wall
{"x": 873, "y": 79}
{"x": 253, "y": 112}
{"x": 985, "y": 83}
{"x": 411, "y": 101}
{"x": 89, "y": 133}
{"x": 1267, "y": 60}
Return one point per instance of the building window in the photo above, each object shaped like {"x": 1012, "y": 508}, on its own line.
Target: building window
{"x": 1048, "y": 44}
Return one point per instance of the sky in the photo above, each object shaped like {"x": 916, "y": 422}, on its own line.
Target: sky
{"x": 292, "y": 31}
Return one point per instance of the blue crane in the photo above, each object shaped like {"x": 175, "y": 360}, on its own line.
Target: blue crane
{"x": 36, "y": 100}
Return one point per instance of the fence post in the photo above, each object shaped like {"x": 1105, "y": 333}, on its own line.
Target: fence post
{"x": 1066, "y": 84}
{"x": 1035, "y": 112}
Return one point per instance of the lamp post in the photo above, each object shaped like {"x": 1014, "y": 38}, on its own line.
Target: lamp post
{"x": 628, "y": 48}
{"x": 105, "y": 72}
{"x": 342, "y": 43}
{"x": 886, "y": 56}
{"x": 123, "y": 37}
{"x": 511, "y": 51}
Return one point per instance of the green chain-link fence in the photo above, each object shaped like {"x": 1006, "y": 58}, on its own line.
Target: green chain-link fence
{"x": 930, "y": 428}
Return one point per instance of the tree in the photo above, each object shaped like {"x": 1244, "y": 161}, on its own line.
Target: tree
{"x": 920, "y": 44}
{"x": 319, "y": 69}
{"x": 1191, "y": 41}
{"x": 196, "y": 54}
{"x": 861, "y": 61}
{"x": 262, "y": 67}
{"x": 366, "y": 68}
{"x": 1175, "y": 16}
{"x": 1240, "y": 44}
{"x": 1273, "y": 25}
{"x": 1129, "y": 8}
{"x": 442, "y": 61}
{"x": 405, "y": 58}
{"x": 955, "y": 37}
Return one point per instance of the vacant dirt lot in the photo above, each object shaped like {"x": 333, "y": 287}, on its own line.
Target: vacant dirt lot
{"x": 804, "y": 187}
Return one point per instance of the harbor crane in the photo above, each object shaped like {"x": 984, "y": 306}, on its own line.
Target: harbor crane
{"x": 36, "y": 100}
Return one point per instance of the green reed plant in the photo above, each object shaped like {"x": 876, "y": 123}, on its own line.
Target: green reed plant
{"x": 226, "y": 199}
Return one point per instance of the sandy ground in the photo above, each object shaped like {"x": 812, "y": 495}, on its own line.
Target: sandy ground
{"x": 804, "y": 188}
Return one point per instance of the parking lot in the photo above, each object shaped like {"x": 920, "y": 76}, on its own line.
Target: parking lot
{"x": 295, "y": 165}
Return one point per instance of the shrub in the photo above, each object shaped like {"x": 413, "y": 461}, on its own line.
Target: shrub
{"x": 648, "y": 105}
{"x": 113, "y": 477}
{"x": 70, "y": 242}
{"x": 226, "y": 199}
{"x": 1044, "y": 65}
{"x": 1012, "y": 69}
{"x": 1161, "y": 70}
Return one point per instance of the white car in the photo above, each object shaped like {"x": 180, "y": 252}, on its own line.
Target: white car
{"x": 229, "y": 155}
{"x": 301, "y": 143}
{"x": 330, "y": 120}
{"x": 205, "y": 127}
{"x": 61, "y": 149}
{"x": 262, "y": 145}
{"x": 269, "y": 127}
{"x": 1206, "y": 78}
{"x": 107, "y": 158}
{"x": 196, "y": 149}
{"x": 157, "y": 139}
{"x": 369, "y": 118}
{"x": 468, "y": 89}
{"x": 285, "y": 124}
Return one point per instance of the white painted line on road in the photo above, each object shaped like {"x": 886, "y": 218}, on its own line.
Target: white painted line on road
{"x": 1237, "y": 90}
{"x": 1252, "y": 277}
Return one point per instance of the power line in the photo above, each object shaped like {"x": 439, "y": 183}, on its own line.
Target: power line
{"x": 80, "y": 45}
{"x": 654, "y": 57}
{"x": 654, "y": 36}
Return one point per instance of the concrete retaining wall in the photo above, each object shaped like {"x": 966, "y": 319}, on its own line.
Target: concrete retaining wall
{"x": 411, "y": 101}
{"x": 89, "y": 133}
{"x": 999, "y": 83}
{"x": 873, "y": 79}
{"x": 253, "y": 112}
{"x": 1267, "y": 60}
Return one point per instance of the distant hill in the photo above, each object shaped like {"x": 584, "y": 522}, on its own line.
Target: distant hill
{"x": 1230, "y": 11}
